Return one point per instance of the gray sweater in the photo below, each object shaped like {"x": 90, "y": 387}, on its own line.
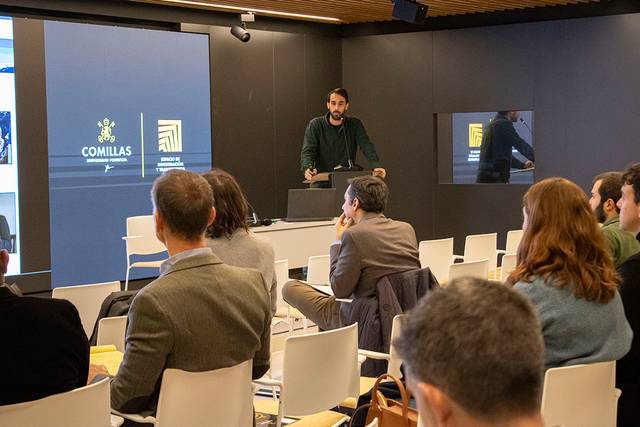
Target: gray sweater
{"x": 244, "y": 249}
{"x": 575, "y": 330}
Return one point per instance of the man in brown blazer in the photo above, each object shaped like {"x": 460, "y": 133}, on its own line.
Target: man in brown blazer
{"x": 200, "y": 314}
{"x": 368, "y": 247}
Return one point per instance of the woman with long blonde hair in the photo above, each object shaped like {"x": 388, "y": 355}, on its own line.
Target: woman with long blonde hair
{"x": 566, "y": 270}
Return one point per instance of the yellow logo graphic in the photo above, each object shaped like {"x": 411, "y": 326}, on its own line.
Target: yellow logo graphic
{"x": 106, "y": 131}
{"x": 475, "y": 134}
{"x": 170, "y": 136}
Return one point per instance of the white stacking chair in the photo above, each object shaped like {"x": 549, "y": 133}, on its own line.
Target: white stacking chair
{"x": 479, "y": 269}
{"x": 222, "y": 397}
{"x": 315, "y": 372}
{"x": 393, "y": 359}
{"x": 437, "y": 255}
{"x": 482, "y": 246}
{"x": 112, "y": 330}
{"x": 141, "y": 240}
{"x": 508, "y": 265}
{"x": 318, "y": 270}
{"x": 284, "y": 312}
{"x": 580, "y": 396}
{"x": 87, "y": 299}
{"x": 86, "y": 406}
{"x": 513, "y": 241}
{"x": 393, "y": 362}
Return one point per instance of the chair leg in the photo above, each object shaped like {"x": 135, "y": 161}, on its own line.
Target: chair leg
{"x": 279, "y": 416}
{"x": 126, "y": 280}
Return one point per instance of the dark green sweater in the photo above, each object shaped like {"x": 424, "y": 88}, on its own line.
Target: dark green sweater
{"x": 325, "y": 145}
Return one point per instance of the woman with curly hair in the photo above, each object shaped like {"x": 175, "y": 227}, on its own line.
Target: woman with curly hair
{"x": 565, "y": 268}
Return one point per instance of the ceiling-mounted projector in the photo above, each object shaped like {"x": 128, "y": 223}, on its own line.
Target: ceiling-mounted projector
{"x": 409, "y": 11}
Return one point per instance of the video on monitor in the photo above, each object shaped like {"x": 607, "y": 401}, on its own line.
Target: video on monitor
{"x": 486, "y": 147}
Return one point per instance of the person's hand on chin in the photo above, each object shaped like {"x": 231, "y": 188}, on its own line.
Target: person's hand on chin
{"x": 342, "y": 224}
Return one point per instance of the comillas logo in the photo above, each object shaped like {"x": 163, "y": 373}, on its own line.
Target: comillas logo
{"x": 106, "y": 154}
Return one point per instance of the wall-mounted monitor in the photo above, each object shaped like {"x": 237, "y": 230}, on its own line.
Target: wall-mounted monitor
{"x": 485, "y": 147}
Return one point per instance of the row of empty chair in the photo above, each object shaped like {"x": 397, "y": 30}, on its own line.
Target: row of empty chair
{"x": 479, "y": 259}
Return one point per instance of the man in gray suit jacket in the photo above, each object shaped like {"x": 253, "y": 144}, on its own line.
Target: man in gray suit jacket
{"x": 368, "y": 246}
{"x": 200, "y": 314}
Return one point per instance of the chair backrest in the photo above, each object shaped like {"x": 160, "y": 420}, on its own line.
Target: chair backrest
{"x": 508, "y": 265}
{"x": 482, "y": 246}
{"x": 580, "y": 396}
{"x": 112, "y": 330}
{"x": 319, "y": 370}
{"x": 199, "y": 399}
{"x": 437, "y": 255}
{"x": 513, "y": 240}
{"x": 393, "y": 367}
{"x": 87, "y": 406}
{"x": 479, "y": 269}
{"x": 282, "y": 276}
{"x": 318, "y": 270}
{"x": 141, "y": 236}
{"x": 87, "y": 299}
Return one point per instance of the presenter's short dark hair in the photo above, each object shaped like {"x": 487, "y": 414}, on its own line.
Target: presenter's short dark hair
{"x": 184, "y": 201}
{"x": 632, "y": 177}
{"x": 610, "y": 187}
{"x": 339, "y": 91}
{"x": 371, "y": 192}
{"x": 230, "y": 203}
{"x": 480, "y": 343}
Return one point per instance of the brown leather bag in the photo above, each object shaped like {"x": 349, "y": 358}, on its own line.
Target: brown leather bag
{"x": 389, "y": 412}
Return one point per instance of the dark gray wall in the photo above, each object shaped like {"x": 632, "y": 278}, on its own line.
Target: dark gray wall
{"x": 580, "y": 76}
{"x": 264, "y": 94}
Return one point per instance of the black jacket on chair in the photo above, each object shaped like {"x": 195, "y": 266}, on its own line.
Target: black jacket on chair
{"x": 45, "y": 350}
{"x": 396, "y": 294}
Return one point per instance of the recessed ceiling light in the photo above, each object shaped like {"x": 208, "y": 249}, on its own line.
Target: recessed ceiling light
{"x": 251, "y": 9}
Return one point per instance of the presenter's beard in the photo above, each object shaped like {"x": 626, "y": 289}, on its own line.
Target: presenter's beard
{"x": 336, "y": 115}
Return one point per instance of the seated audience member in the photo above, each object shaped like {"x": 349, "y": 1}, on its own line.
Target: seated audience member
{"x": 628, "y": 368}
{"x": 45, "y": 350}
{"x": 368, "y": 246}
{"x": 565, "y": 268}
{"x": 229, "y": 237}
{"x": 604, "y": 196}
{"x": 200, "y": 314}
{"x": 474, "y": 356}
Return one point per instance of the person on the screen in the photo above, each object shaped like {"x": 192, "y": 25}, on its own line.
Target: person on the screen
{"x": 5, "y": 137}
{"x": 498, "y": 140}
{"x": 331, "y": 141}
{"x": 5, "y": 234}
{"x": 45, "y": 350}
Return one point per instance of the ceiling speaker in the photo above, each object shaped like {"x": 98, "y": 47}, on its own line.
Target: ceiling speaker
{"x": 409, "y": 11}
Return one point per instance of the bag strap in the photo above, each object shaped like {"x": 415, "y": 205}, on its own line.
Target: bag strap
{"x": 403, "y": 393}
{"x": 359, "y": 408}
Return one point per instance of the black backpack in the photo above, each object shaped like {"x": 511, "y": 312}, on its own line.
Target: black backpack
{"x": 116, "y": 304}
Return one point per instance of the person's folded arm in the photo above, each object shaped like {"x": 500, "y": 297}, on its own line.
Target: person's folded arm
{"x": 344, "y": 272}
